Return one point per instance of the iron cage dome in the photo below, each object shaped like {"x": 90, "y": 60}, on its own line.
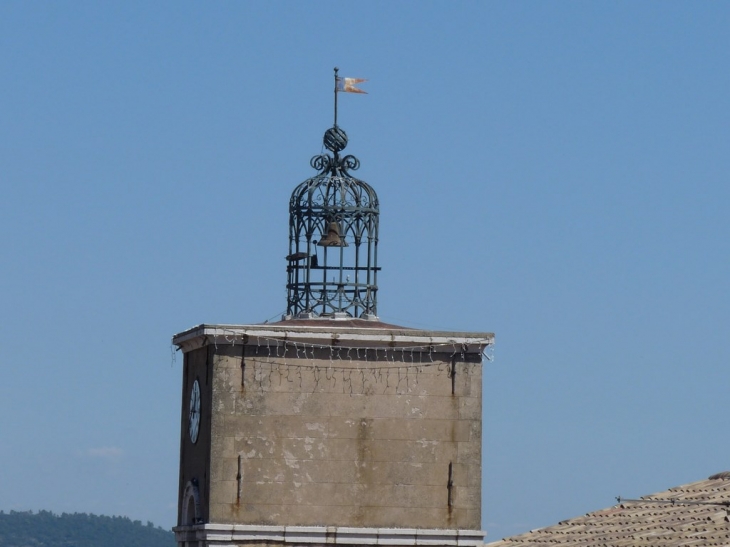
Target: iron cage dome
{"x": 333, "y": 239}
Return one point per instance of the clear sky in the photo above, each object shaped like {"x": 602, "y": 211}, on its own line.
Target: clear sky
{"x": 555, "y": 173}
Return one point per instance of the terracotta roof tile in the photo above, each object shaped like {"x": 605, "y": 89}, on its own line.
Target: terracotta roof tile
{"x": 699, "y": 515}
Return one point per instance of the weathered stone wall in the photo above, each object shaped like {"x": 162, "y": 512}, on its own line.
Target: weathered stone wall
{"x": 345, "y": 438}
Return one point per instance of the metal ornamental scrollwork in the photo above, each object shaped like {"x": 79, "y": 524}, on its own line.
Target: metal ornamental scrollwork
{"x": 324, "y": 163}
{"x": 350, "y": 163}
{"x": 321, "y": 163}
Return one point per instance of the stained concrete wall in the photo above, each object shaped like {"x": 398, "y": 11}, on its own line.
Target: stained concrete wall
{"x": 367, "y": 439}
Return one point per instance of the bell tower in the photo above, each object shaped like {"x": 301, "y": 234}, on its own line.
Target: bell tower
{"x": 333, "y": 239}
{"x": 330, "y": 427}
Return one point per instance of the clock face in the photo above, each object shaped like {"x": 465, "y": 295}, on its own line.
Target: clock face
{"x": 194, "y": 416}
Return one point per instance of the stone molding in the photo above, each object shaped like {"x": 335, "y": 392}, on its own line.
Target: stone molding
{"x": 229, "y": 535}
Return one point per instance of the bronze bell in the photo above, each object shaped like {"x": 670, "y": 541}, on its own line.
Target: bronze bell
{"x": 333, "y": 237}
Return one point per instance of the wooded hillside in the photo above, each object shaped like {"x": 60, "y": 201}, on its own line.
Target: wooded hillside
{"x": 45, "y": 529}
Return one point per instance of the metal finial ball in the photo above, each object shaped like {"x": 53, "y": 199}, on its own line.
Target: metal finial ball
{"x": 335, "y": 139}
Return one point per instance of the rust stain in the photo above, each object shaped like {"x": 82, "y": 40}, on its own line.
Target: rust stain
{"x": 364, "y": 472}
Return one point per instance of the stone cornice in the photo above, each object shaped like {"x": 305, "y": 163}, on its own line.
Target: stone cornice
{"x": 229, "y": 535}
{"x": 329, "y": 334}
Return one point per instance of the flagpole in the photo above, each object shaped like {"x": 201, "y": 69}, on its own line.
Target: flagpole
{"x": 336, "y": 70}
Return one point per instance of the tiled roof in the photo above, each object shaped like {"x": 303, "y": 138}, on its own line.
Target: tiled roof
{"x": 694, "y": 514}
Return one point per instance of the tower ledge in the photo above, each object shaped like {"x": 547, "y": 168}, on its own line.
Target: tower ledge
{"x": 329, "y": 332}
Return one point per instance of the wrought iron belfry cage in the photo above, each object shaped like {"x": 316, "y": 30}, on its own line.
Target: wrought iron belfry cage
{"x": 333, "y": 239}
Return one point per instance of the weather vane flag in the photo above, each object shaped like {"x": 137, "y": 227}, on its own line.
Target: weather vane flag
{"x": 346, "y": 85}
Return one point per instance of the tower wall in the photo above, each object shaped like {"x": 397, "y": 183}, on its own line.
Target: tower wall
{"x": 195, "y": 456}
{"x": 359, "y": 443}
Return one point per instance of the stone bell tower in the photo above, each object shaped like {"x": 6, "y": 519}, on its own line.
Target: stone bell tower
{"x": 330, "y": 426}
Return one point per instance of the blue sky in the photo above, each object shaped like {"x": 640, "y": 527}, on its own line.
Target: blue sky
{"x": 555, "y": 173}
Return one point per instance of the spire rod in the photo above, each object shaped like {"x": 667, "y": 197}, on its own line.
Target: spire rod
{"x": 336, "y": 70}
